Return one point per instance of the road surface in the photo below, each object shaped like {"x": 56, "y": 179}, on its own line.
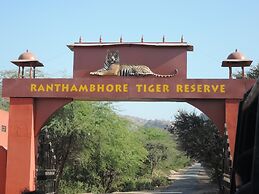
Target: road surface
{"x": 192, "y": 180}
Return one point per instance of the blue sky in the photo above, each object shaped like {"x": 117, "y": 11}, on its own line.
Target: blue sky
{"x": 215, "y": 28}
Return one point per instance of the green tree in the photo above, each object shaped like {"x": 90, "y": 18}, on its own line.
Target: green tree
{"x": 163, "y": 154}
{"x": 201, "y": 140}
{"x": 154, "y": 142}
{"x": 252, "y": 73}
{"x": 117, "y": 155}
{"x": 4, "y": 103}
{"x": 68, "y": 131}
{"x": 94, "y": 148}
{"x": 156, "y": 152}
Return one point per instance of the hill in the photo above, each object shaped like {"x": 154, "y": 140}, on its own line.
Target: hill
{"x": 140, "y": 122}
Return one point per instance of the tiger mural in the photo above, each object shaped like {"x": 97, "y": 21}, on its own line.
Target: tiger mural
{"x": 112, "y": 66}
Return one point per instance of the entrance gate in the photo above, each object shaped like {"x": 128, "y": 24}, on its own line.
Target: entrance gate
{"x": 33, "y": 101}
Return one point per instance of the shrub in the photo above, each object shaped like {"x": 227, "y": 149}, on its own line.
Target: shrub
{"x": 143, "y": 184}
{"x": 159, "y": 181}
{"x": 71, "y": 188}
{"x": 129, "y": 185}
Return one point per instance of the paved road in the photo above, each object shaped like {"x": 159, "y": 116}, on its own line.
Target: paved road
{"x": 192, "y": 180}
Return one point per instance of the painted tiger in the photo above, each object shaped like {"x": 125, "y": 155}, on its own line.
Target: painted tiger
{"x": 112, "y": 66}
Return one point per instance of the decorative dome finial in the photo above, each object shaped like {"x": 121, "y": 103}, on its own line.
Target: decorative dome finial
{"x": 163, "y": 40}
{"x": 80, "y": 39}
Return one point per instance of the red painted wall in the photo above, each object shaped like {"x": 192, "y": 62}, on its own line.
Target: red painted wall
{"x": 20, "y": 170}
{"x": 160, "y": 60}
{"x": 231, "y": 114}
{"x": 3, "y": 157}
{"x": 4, "y": 116}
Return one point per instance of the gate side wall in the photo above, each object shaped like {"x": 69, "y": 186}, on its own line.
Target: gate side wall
{"x": 231, "y": 117}
{"x": 3, "y": 155}
{"x": 20, "y": 171}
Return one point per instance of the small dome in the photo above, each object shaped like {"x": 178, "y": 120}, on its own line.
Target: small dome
{"x": 236, "y": 59}
{"x": 236, "y": 56}
{"x": 27, "y": 56}
{"x": 27, "y": 59}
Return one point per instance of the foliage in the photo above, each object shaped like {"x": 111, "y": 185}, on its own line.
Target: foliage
{"x": 68, "y": 134}
{"x": 71, "y": 187}
{"x": 93, "y": 146}
{"x": 4, "y": 103}
{"x": 159, "y": 181}
{"x": 141, "y": 184}
{"x": 156, "y": 152}
{"x": 201, "y": 140}
{"x": 96, "y": 152}
{"x": 144, "y": 184}
{"x": 252, "y": 73}
{"x": 155, "y": 143}
{"x": 163, "y": 154}
{"x": 162, "y": 124}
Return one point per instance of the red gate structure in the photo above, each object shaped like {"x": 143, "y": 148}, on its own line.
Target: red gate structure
{"x": 3, "y": 148}
{"x": 33, "y": 101}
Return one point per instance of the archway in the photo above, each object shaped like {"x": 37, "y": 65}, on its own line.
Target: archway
{"x": 33, "y": 101}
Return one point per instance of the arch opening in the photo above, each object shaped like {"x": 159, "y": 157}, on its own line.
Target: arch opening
{"x": 50, "y": 117}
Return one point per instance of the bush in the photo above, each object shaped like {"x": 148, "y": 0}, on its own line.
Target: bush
{"x": 159, "y": 181}
{"x": 129, "y": 185}
{"x": 71, "y": 188}
{"x": 143, "y": 184}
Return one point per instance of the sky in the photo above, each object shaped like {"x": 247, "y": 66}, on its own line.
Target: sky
{"x": 214, "y": 28}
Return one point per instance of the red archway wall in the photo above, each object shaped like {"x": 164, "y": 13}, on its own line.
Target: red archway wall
{"x": 4, "y": 116}
{"x": 42, "y": 114}
{"x": 214, "y": 109}
{"x": 3, "y": 160}
{"x": 27, "y": 116}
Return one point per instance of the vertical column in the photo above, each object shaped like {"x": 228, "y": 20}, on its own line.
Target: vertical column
{"x": 231, "y": 108}
{"x": 34, "y": 72}
{"x": 243, "y": 72}
{"x": 230, "y": 72}
{"x": 20, "y": 171}
{"x": 3, "y": 153}
{"x": 22, "y": 71}
{"x": 19, "y": 72}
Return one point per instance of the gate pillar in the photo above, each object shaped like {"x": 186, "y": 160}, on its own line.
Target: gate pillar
{"x": 20, "y": 171}
{"x": 3, "y": 153}
{"x": 231, "y": 114}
